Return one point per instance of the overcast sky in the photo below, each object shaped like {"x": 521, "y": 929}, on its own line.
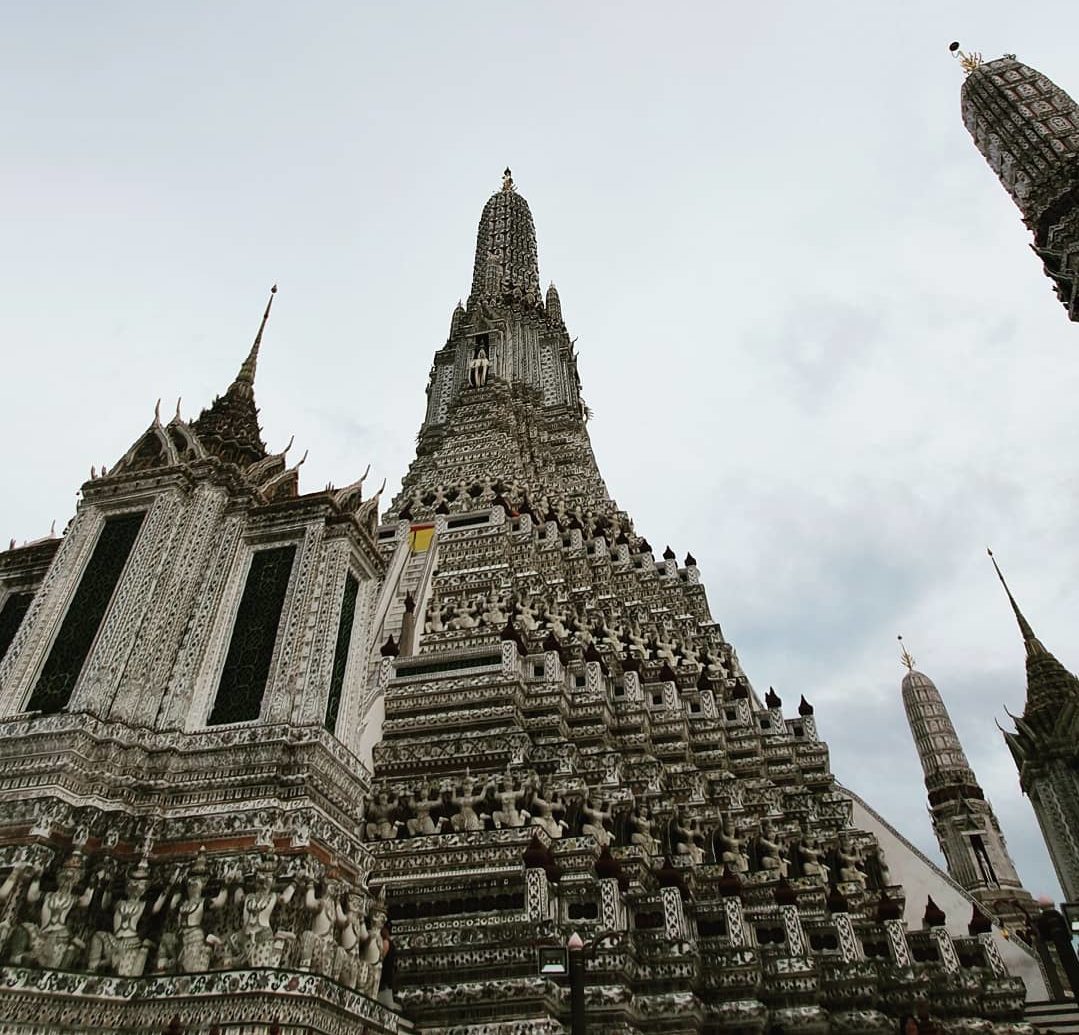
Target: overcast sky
{"x": 820, "y": 353}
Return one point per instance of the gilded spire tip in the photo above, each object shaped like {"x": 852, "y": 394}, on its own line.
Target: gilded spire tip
{"x": 247, "y": 370}
{"x": 970, "y": 60}
{"x": 905, "y": 656}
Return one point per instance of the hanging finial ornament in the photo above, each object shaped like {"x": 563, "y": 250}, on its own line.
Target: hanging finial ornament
{"x": 969, "y": 60}
{"x": 904, "y": 656}
{"x": 507, "y": 180}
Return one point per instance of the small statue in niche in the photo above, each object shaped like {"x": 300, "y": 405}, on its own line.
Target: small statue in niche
{"x": 543, "y": 815}
{"x": 597, "y": 822}
{"x": 256, "y": 944}
{"x": 318, "y": 948}
{"x": 877, "y": 868}
{"x": 435, "y": 617}
{"x": 479, "y": 366}
{"x": 467, "y": 615}
{"x": 9, "y": 895}
{"x": 729, "y": 847}
{"x": 422, "y": 824}
{"x": 125, "y": 948}
{"x": 380, "y": 826}
{"x": 849, "y": 861}
{"x": 697, "y": 841}
{"x": 526, "y": 616}
{"x": 50, "y": 943}
{"x": 686, "y": 840}
{"x": 810, "y": 858}
{"x": 495, "y": 614}
{"x": 509, "y": 796}
{"x": 196, "y": 946}
{"x": 771, "y": 853}
{"x": 467, "y": 818}
{"x": 359, "y": 948}
{"x": 642, "y": 826}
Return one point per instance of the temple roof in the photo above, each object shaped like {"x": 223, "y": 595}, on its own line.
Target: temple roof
{"x": 1026, "y": 127}
{"x": 506, "y": 267}
{"x": 1049, "y": 684}
{"x": 229, "y": 428}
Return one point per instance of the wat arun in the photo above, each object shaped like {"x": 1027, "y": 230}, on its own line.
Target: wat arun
{"x": 274, "y": 761}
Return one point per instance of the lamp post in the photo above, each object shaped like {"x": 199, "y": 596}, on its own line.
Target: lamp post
{"x": 575, "y": 945}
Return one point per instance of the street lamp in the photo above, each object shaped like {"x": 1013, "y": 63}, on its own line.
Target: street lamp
{"x": 575, "y": 945}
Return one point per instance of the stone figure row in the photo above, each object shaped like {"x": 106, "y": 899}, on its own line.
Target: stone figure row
{"x": 520, "y": 800}
{"x": 97, "y": 919}
{"x": 515, "y": 499}
{"x": 841, "y": 861}
{"x": 569, "y": 624}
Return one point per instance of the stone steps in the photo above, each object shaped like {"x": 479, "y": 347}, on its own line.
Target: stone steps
{"x": 1061, "y": 1017}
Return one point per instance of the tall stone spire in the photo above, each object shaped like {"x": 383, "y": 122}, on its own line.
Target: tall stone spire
{"x": 1028, "y": 130}
{"x": 504, "y": 400}
{"x": 964, "y": 823}
{"x": 555, "y": 687}
{"x": 1050, "y": 686}
{"x": 1045, "y": 748}
{"x": 506, "y": 267}
{"x": 229, "y": 428}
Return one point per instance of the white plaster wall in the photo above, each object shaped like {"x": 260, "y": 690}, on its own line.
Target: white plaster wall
{"x": 921, "y": 878}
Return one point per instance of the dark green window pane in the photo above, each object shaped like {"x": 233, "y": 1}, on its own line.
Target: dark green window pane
{"x": 11, "y": 616}
{"x": 340, "y": 654}
{"x": 85, "y": 614}
{"x": 247, "y": 665}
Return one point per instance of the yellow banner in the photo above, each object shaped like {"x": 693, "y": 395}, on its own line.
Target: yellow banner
{"x": 419, "y": 538}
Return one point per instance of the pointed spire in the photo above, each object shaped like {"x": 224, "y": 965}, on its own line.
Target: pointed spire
{"x": 1025, "y": 127}
{"x": 1030, "y": 641}
{"x": 247, "y": 368}
{"x": 229, "y": 428}
{"x": 1049, "y": 684}
{"x": 506, "y": 269}
{"x": 554, "y": 304}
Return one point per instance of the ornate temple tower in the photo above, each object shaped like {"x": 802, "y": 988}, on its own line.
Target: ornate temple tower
{"x": 182, "y": 688}
{"x": 241, "y": 724}
{"x": 1028, "y": 130}
{"x": 569, "y": 743}
{"x": 963, "y": 821}
{"x": 1045, "y": 747}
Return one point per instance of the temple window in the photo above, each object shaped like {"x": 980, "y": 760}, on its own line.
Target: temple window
{"x": 11, "y": 615}
{"x": 85, "y": 614}
{"x": 340, "y": 654}
{"x": 247, "y": 664}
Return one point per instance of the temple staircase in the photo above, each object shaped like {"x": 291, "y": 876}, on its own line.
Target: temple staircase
{"x": 1054, "y": 1015}
{"x": 411, "y": 572}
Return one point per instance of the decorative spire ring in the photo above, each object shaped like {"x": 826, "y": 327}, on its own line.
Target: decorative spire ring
{"x": 970, "y": 60}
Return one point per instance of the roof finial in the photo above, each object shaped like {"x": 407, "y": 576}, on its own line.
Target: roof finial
{"x": 904, "y": 656}
{"x": 970, "y": 60}
{"x": 1032, "y": 643}
{"x": 507, "y": 180}
{"x": 247, "y": 371}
